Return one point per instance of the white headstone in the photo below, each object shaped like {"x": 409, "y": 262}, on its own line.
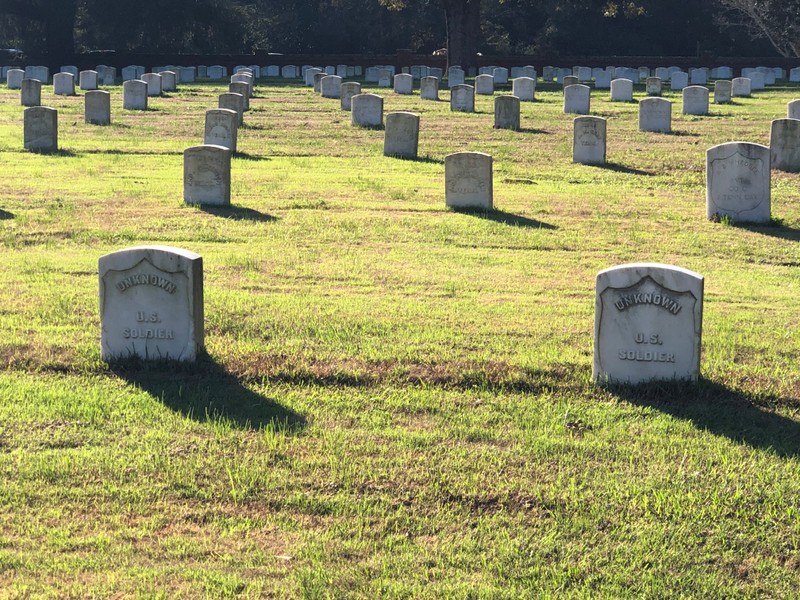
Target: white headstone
{"x": 64, "y": 84}
{"x": 622, "y": 90}
{"x": 500, "y": 75}
{"x": 484, "y": 85}
{"x": 455, "y": 76}
{"x": 722, "y": 91}
{"x": 88, "y": 80}
{"x": 107, "y": 75}
{"x": 678, "y": 80}
{"x": 153, "y": 81}
{"x": 331, "y": 86}
{"x": 242, "y": 89}
{"x": 14, "y": 78}
{"x": 187, "y": 74}
{"x": 793, "y": 109}
{"x": 569, "y": 80}
{"x": 589, "y": 141}
{"x": 289, "y": 71}
{"x": 349, "y": 89}
{"x": 97, "y": 107}
{"x": 576, "y": 99}
{"x": 652, "y": 86}
{"x": 401, "y": 137}
{"x": 207, "y": 175}
{"x": 468, "y": 180}
{"x": 308, "y": 75}
{"x": 70, "y": 69}
{"x": 384, "y": 78}
{"x": 784, "y": 145}
{"x": 404, "y": 84}
{"x": 366, "y": 110}
{"x": 757, "y": 81}
{"x": 698, "y": 77}
{"x": 695, "y": 100}
{"x": 134, "y": 95}
{"x": 648, "y": 324}
{"x": 151, "y": 304}
{"x": 741, "y": 87}
{"x": 31, "y": 94}
{"x": 38, "y": 72}
{"x": 738, "y": 182}
{"x": 655, "y": 114}
{"x": 40, "y": 125}
{"x": 602, "y": 80}
{"x": 462, "y": 98}
{"x": 222, "y": 127}
{"x": 371, "y": 74}
{"x": 169, "y": 81}
{"x": 273, "y": 71}
{"x": 506, "y": 113}
{"x": 584, "y": 74}
{"x": 794, "y": 75}
{"x": 128, "y": 73}
{"x": 429, "y": 88}
{"x": 524, "y": 88}
{"x": 217, "y": 72}
{"x": 232, "y": 101}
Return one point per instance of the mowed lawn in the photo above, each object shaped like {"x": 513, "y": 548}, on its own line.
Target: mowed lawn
{"x": 396, "y": 398}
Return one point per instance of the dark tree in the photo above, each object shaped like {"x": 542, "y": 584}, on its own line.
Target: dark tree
{"x": 57, "y": 18}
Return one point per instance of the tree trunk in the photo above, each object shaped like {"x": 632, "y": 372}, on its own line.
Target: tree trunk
{"x": 463, "y": 32}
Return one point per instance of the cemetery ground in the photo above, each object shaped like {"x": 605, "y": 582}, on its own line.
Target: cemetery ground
{"x": 396, "y": 398}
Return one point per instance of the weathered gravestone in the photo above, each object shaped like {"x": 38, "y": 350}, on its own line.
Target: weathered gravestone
{"x": 678, "y": 80}
{"x": 153, "y": 81}
{"x": 793, "y": 109}
{"x": 31, "y": 94}
{"x": 500, "y": 75}
{"x": 88, "y": 80}
{"x": 655, "y": 114}
{"x": 308, "y": 76}
{"x": 741, "y": 87}
{"x": 330, "y": 86}
{"x": 366, "y": 110}
{"x": 784, "y": 145}
{"x": 318, "y": 77}
{"x": 207, "y": 175}
{"x": 722, "y": 91}
{"x": 187, "y": 74}
{"x": 738, "y": 182}
{"x": 524, "y": 88}
{"x": 602, "y": 80}
{"x": 589, "y": 140}
{"x": 576, "y": 99}
{"x": 97, "y": 107}
{"x": 107, "y": 75}
{"x": 169, "y": 81}
{"x": 401, "y": 137}
{"x": 349, "y": 89}
{"x": 794, "y": 74}
{"x": 64, "y": 84}
{"x": 462, "y": 98}
{"x": 217, "y": 72}
{"x": 247, "y": 79}
{"x": 244, "y": 90}
{"x": 622, "y": 90}
{"x": 698, "y": 77}
{"x": 232, "y": 101}
{"x": 455, "y": 76}
{"x": 40, "y": 129}
{"x": 70, "y": 69}
{"x": 429, "y": 88}
{"x": 404, "y": 84}
{"x": 221, "y": 128}
{"x": 648, "y": 324}
{"x": 151, "y": 304}
{"x": 652, "y": 86}
{"x": 506, "y": 113}
{"x": 38, "y": 72}
{"x": 128, "y": 73}
{"x": 695, "y": 100}
{"x": 569, "y": 80}
{"x": 757, "y": 81}
{"x": 134, "y": 95}
{"x": 14, "y": 78}
{"x": 484, "y": 85}
{"x": 468, "y": 180}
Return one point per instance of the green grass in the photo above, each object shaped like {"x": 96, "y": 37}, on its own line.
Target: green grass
{"x": 395, "y": 400}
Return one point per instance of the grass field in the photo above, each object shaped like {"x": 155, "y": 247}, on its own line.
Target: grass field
{"x": 396, "y": 398}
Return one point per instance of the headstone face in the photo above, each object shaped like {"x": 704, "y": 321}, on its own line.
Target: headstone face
{"x": 108, "y": 75}
{"x": 404, "y": 84}
{"x": 242, "y": 89}
{"x": 722, "y": 73}
{"x": 584, "y": 74}
{"x": 273, "y": 71}
{"x": 500, "y": 75}
{"x": 14, "y": 78}
{"x": 794, "y": 74}
{"x": 436, "y": 72}
{"x": 589, "y": 141}
{"x": 468, "y": 180}
{"x": 88, "y": 80}
{"x": 484, "y": 85}
{"x": 602, "y": 80}
{"x": 655, "y": 114}
{"x": 187, "y": 74}
{"x": 40, "y": 129}
{"x": 401, "y": 137}
{"x": 738, "y": 182}
{"x": 695, "y": 100}
{"x": 741, "y": 87}
{"x": 134, "y": 95}
{"x": 169, "y": 81}
{"x": 151, "y": 304}
{"x": 384, "y": 78}
{"x": 308, "y": 76}
{"x": 429, "y": 88}
{"x": 349, "y": 89}
{"x": 506, "y": 113}
{"x": 622, "y": 90}
{"x": 722, "y": 91}
{"x": 793, "y": 109}
{"x": 128, "y": 73}
{"x": 524, "y": 88}
{"x": 462, "y": 98}
{"x": 341, "y": 70}
{"x": 247, "y": 79}
{"x": 569, "y": 80}
{"x": 678, "y": 80}
{"x": 698, "y": 77}
{"x": 38, "y": 72}
{"x": 97, "y": 107}
{"x": 289, "y": 72}
{"x": 652, "y": 86}
{"x": 662, "y": 73}
{"x": 548, "y": 73}
{"x": 366, "y": 110}
{"x": 576, "y": 99}
{"x": 455, "y": 76}
{"x": 217, "y": 72}
{"x": 70, "y": 69}
{"x": 222, "y": 127}
{"x": 757, "y": 81}
{"x": 207, "y": 175}
{"x": 64, "y": 84}
{"x": 153, "y": 81}
{"x": 330, "y": 70}
{"x": 648, "y": 324}
{"x": 784, "y": 145}
{"x": 371, "y": 74}
{"x": 31, "y": 92}
{"x": 331, "y": 86}
{"x": 232, "y": 101}
{"x": 318, "y": 81}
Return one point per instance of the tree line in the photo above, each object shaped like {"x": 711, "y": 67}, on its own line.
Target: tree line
{"x": 465, "y": 27}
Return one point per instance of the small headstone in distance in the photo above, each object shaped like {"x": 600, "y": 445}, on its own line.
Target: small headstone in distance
{"x": 577, "y": 99}
{"x": 468, "y": 180}
{"x": 589, "y": 140}
{"x": 655, "y": 114}
{"x": 784, "y": 145}
{"x": 97, "y": 107}
{"x": 207, "y": 175}
{"x": 366, "y": 110}
{"x": 722, "y": 91}
{"x": 134, "y": 95}
{"x": 524, "y": 88}
{"x": 31, "y": 94}
{"x": 401, "y": 137}
{"x": 40, "y": 129}
{"x": 506, "y": 113}
{"x": 349, "y": 89}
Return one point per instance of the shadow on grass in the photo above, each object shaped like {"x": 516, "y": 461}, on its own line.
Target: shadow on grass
{"x": 252, "y": 157}
{"x": 499, "y": 216}
{"x": 252, "y": 127}
{"x": 775, "y": 228}
{"x": 5, "y": 215}
{"x": 418, "y": 159}
{"x": 619, "y": 168}
{"x": 532, "y": 130}
{"x": 133, "y": 152}
{"x": 722, "y": 411}
{"x": 680, "y": 133}
{"x": 204, "y": 391}
{"x": 238, "y": 213}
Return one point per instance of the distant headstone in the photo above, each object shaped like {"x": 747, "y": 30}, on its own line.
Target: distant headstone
{"x": 38, "y": 72}
{"x": 584, "y": 74}
{"x": 484, "y": 85}
{"x": 524, "y": 88}
{"x": 648, "y": 324}
{"x": 436, "y": 72}
{"x": 64, "y": 84}
{"x": 232, "y": 101}
{"x": 662, "y": 73}
{"x": 134, "y": 95}
{"x": 655, "y": 114}
{"x": 349, "y": 89}
{"x": 652, "y": 86}
{"x": 429, "y": 88}
{"x": 108, "y": 75}
{"x": 88, "y": 80}
{"x": 722, "y": 91}
{"x": 757, "y": 81}
{"x": 576, "y": 99}
{"x": 738, "y": 182}
{"x": 404, "y": 84}
{"x": 70, "y": 69}
{"x": 462, "y": 98}
{"x": 207, "y": 175}
{"x": 602, "y": 80}
{"x": 217, "y": 72}
{"x": 695, "y": 100}
{"x": 341, "y": 70}
{"x": 14, "y": 78}
{"x": 246, "y": 78}
{"x": 40, "y": 125}
{"x": 221, "y": 128}
{"x": 622, "y": 90}
{"x": 366, "y": 110}
{"x": 308, "y": 76}
{"x": 741, "y": 87}
{"x": 401, "y": 137}
{"x": 331, "y": 86}
{"x": 384, "y": 78}
{"x": 548, "y": 73}
{"x": 128, "y": 73}
{"x": 698, "y": 77}
{"x": 784, "y": 145}
{"x": 793, "y": 109}
{"x": 569, "y": 80}
{"x": 153, "y": 81}
{"x": 468, "y": 180}
{"x": 289, "y": 71}
{"x": 273, "y": 71}
{"x": 97, "y": 107}
{"x": 500, "y": 75}
{"x": 589, "y": 141}
{"x": 455, "y": 76}
{"x": 794, "y": 75}
{"x": 678, "y": 80}
{"x": 722, "y": 73}
{"x": 31, "y": 94}
{"x": 169, "y": 81}
{"x": 244, "y": 90}
{"x": 506, "y": 113}
{"x": 151, "y": 304}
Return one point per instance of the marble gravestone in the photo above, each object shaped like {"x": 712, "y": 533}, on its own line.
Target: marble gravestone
{"x": 455, "y": 76}
{"x": 589, "y": 140}
{"x": 97, "y": 107}
{"x": 500, "y": 75}
{"x": 655, "y": 114}
{"x": 14, "y": 78}
{"x": 622, "y": 90}
{"x": 468, "y": 180}
{"x": 484, "y": 85}
{"x": 64, "y": 84}
{"x": 722, "y": 91}
{"x": 134, "y": 95}
{"x": 462, "y": 98}
{"x": 384, "y": 77}
{"x": 652, "y": 86}
{"x": 576, "y": 99}
{"x": 738, "y": 182}
{"x": 429, "y": 88}
{"x": 401, "y": 138}
{"x": 330, "y": 86}
{"x": 221, "y": 128}
{"x": 569, "y": 80}
{"x": 366, "y": 110}
{"x": 524, "y": 88}
{"x": 153, "y": 81}
{"x": 784, "y": 145}
{"x": 40, "y": 129}
{"x": 308, "y": 75}
{"x": 207, "y": 175}
{"x": 793, "y": 109}
{"x": 31, "y": 94}
{"x": 239, "y": 87}
{"x": 349, "y": 89}
{"x": 88, "y": 80}
{"x": 232, "y": 101}
{"x": 678, "y": 81}
{"x": 695, "y": 100}
{"x": 169, "y": 81}
{"x": 741, "y": 87}
{"x": 648, "y": 324}
{"x": 506, "y": 113}
{"x": 403, "y": 84}
{"x": 602, "y": 80}
{"x": 151, "y": 304}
